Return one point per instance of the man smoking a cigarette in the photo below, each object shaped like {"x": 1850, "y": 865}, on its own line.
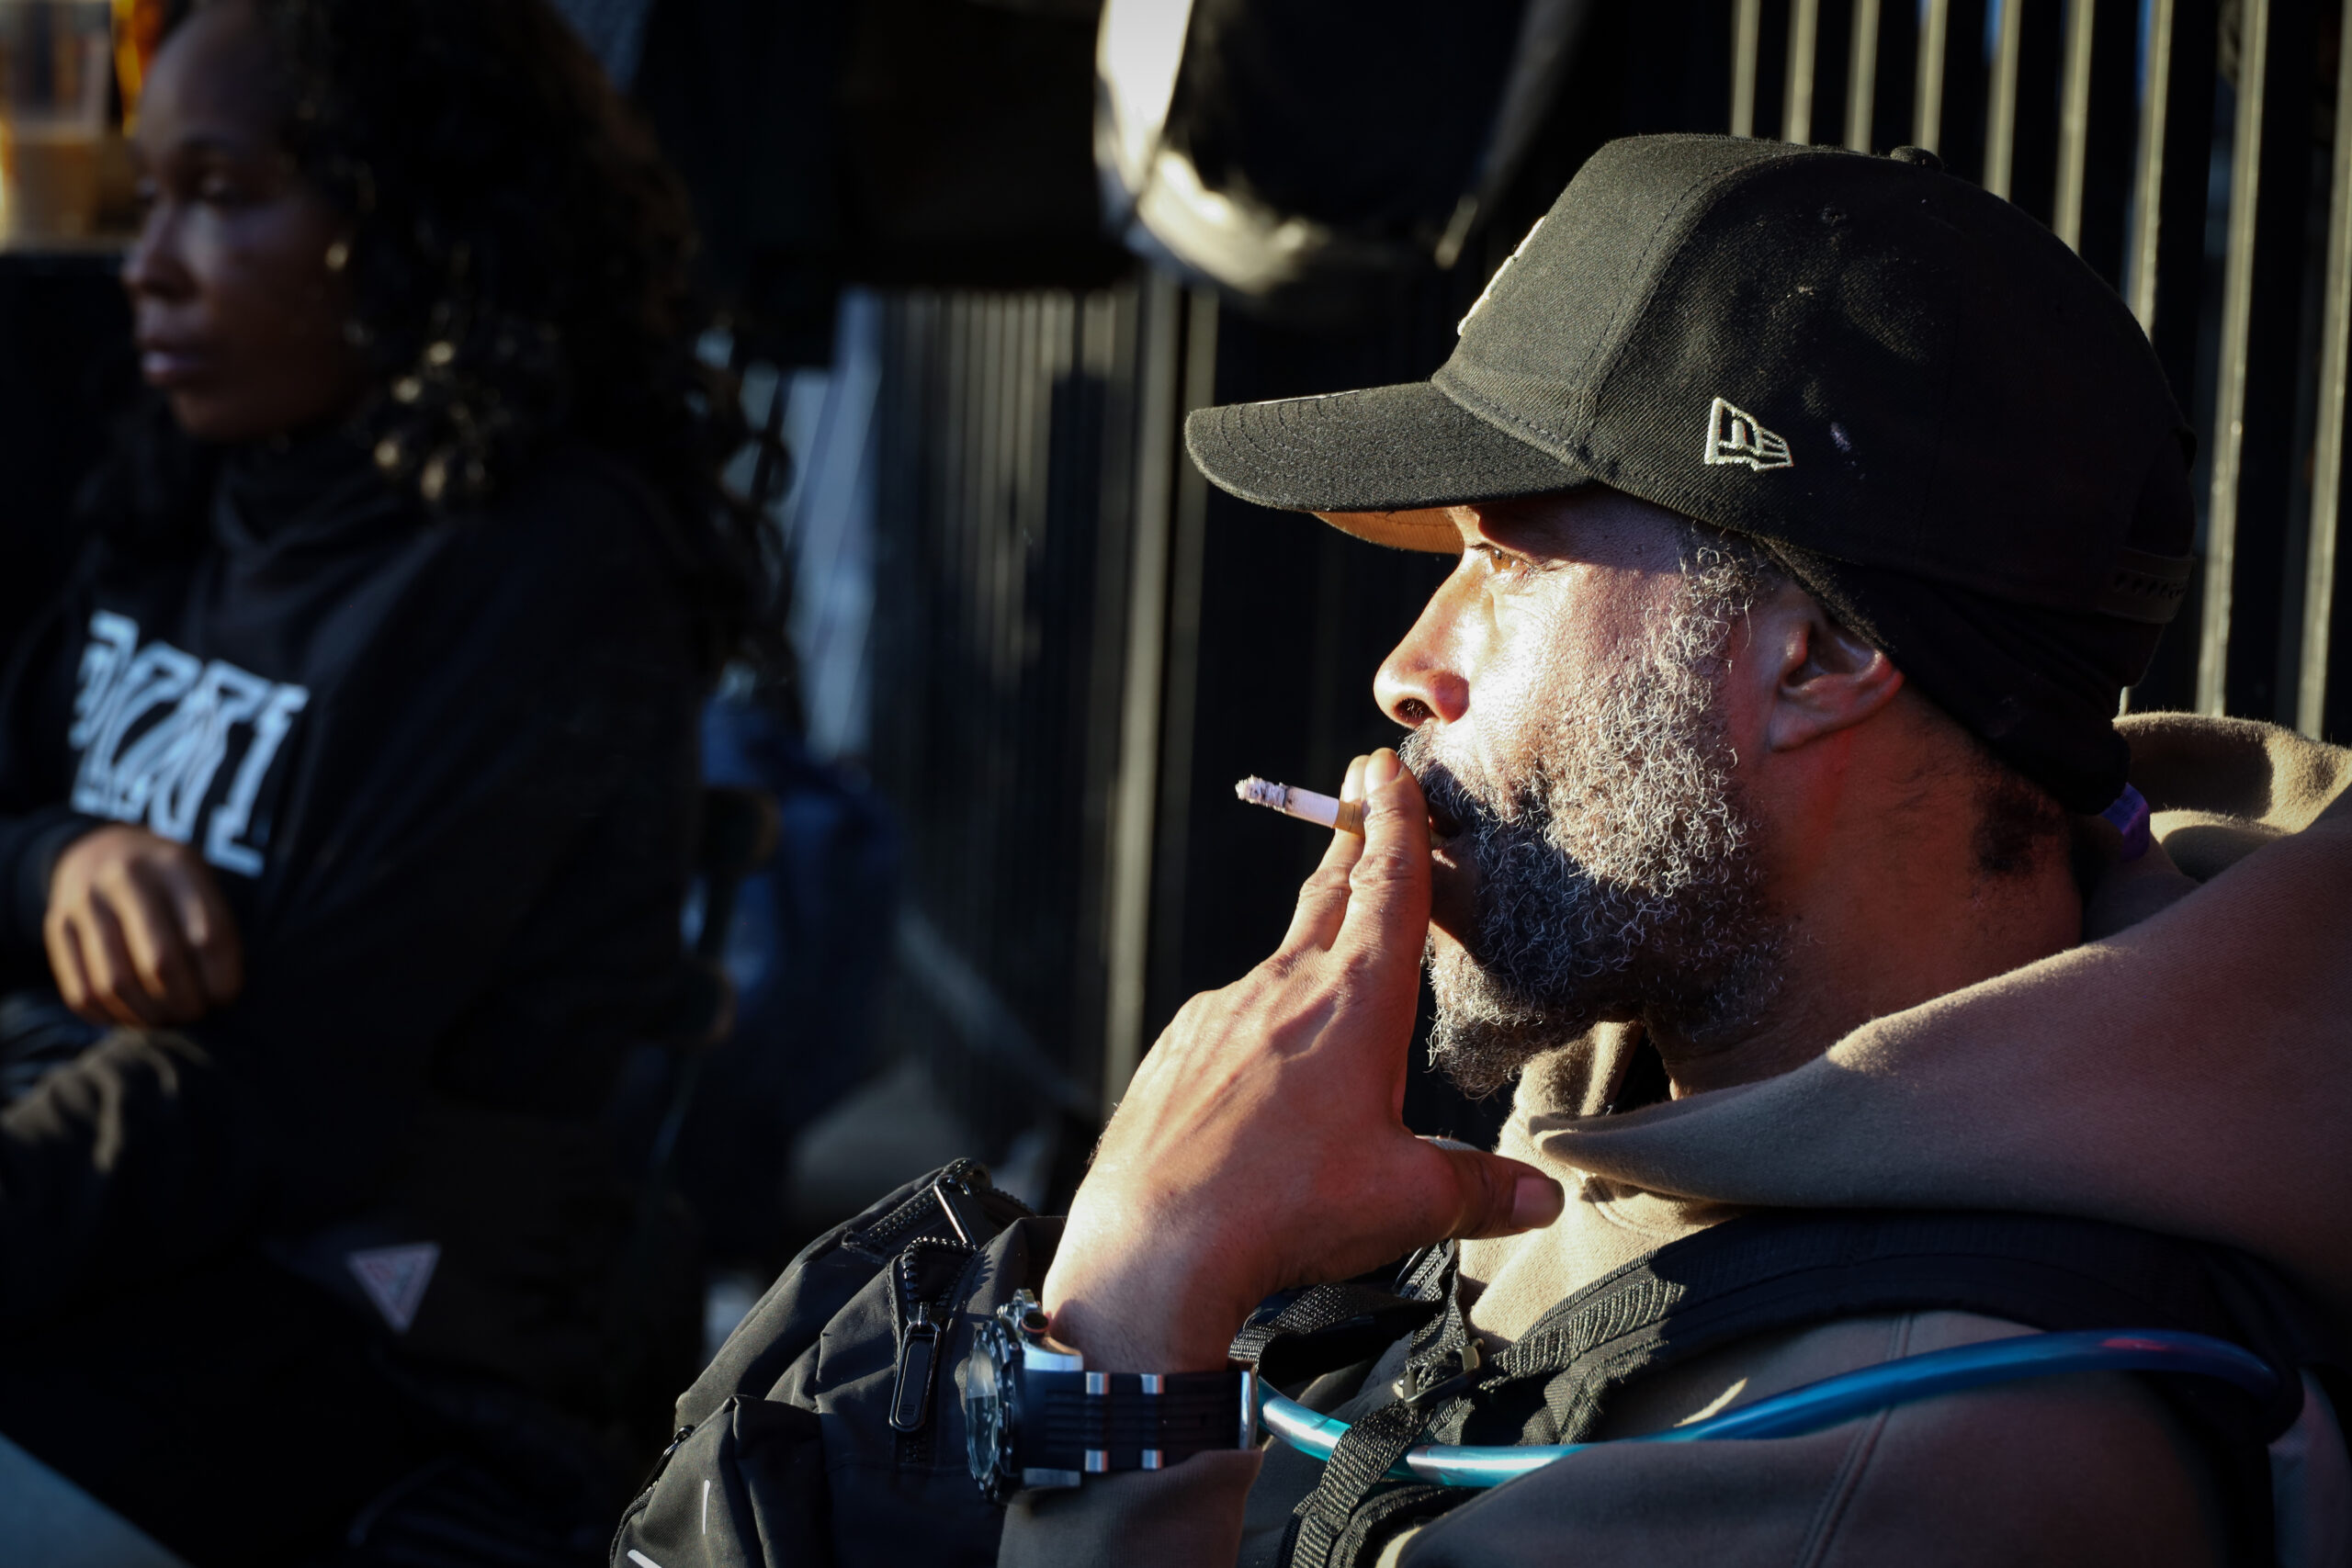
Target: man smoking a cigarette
{"x": 1812, "y": 510}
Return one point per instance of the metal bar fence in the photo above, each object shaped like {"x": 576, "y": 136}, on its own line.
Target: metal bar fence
{"x": 2075, "y": 121}
{"x": 1050, "y": 719}
{"x": 2228, "y": 408}
{"x": 1017, "y": 517}
{"x": 1927, "y": 96}
{"x": 1861, "y": 75}
{"x": 2313, "y": 695}
{"x": 2065, "y": 86}
{"x": 1747, "y": 41}
{"x": 2001, "y": 114}
{"x": 1796, "y": 100}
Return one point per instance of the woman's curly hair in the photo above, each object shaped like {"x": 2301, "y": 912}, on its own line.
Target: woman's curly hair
{"x": 518, "y": 256}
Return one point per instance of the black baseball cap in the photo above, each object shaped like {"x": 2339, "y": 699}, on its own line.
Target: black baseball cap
{"x": 1917, "y": 396}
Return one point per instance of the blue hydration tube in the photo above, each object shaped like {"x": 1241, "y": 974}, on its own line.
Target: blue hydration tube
{"x": 1824, "y": 1404}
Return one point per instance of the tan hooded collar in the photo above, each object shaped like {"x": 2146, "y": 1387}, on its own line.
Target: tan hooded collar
{"x": 2188, "y": 1070}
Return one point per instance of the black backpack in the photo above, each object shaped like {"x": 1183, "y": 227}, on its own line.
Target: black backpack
{"x": 829, "y": 1431}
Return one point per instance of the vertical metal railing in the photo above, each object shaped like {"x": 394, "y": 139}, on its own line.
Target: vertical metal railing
{"x": 1176, "y": 373}
{"x": 1796, "y": 98}
{"x": 1861, "y": 76}
{"x": 2244, "y": 655}
{"x": 2230, "y": 389}
{"x": 2101, "y": 119}
{"x": 1747, "y": 41}
{"x": 1017, "y": 515}
{"x": 1187, "y": 553}
{"x": 1928, "y": 95}
{"x": 2073, "y": 121}
{"x": 1136, "y": 800}
{"x": 2320, "y": 557}
{"x": 2148, "y": 183}
{"x": 2001, "y": 110}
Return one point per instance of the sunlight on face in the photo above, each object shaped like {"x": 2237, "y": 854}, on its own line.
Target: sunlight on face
{"x": 1589, "y": 790}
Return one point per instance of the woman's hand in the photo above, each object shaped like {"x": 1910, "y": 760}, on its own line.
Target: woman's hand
{"x": 1263, "y": 1143}
{"x": 136, "y": 931}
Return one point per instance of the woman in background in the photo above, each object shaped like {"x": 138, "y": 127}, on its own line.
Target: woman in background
{"x": 351, "y": 783}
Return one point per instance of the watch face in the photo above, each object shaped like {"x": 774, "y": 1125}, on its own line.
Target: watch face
{"x": 986, "y": 1381}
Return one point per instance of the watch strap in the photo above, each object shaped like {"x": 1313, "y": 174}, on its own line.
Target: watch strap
{"x": 1091, "y": 1423}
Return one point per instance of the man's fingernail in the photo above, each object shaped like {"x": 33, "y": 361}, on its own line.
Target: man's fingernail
{"x": 1353, "y": 787}
{"x": 1380, "y": 770}
{"x": 1536, "y": 1201}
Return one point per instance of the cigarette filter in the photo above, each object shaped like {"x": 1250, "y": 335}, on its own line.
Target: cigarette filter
{"x": 1304, "y": 804}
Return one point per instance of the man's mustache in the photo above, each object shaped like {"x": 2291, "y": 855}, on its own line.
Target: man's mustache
{"x": 1454, "y": 807}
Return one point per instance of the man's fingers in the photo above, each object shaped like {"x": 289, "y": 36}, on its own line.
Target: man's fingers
{"x": 1389, "y": 907}
{"x": 1494, "y": 1196}
{"x": 1323, "y": 901}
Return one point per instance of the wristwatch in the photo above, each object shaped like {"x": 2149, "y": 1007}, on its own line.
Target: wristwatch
{"x": 1036, "y": 1418}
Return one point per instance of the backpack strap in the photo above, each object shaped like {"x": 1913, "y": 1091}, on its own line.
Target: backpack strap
{"x": 1766, "y": 1273}
{"x": 1772, "y": 1271}
{"x": 1354, "y": 1506}
{"x": 1298, "y": 1334}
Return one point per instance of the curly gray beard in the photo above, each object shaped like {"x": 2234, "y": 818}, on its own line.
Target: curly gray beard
{"x": 1617, "y": 876}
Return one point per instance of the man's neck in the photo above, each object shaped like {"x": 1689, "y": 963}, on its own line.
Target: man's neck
{"x": 1899, "y": 913}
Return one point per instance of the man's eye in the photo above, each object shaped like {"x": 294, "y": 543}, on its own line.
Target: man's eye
{"x": 1498, "y": 561}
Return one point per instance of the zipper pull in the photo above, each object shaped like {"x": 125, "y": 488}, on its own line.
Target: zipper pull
{"x": 662, "y": 1459}
{"x": 956, "y": 1201}
{"x": 911, "y": 1396}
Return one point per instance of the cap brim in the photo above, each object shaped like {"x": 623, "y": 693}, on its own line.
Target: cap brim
{"x": 1387, "y": 449}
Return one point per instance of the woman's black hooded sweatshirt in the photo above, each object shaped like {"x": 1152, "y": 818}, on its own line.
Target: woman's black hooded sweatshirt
{"x": 445, "y": 771}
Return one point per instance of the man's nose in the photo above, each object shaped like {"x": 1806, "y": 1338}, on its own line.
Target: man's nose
{"x": 1422, "y": 677}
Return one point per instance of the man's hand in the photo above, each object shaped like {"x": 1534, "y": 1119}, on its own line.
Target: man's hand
{"x": 1262, "y": 1144}
{"x": 136, "y": 931}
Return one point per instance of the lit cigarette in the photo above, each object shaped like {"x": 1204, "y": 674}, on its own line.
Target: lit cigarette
{"x": 1304, "y": 804}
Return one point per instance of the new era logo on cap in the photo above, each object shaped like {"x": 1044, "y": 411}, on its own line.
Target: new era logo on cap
{"x": 1734, "y": 436}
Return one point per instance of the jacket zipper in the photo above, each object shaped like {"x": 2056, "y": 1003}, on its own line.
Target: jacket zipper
{"x": 910, "y": 1396}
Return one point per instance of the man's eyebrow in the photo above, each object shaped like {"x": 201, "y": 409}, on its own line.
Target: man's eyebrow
{"x": 1533, "y": 540}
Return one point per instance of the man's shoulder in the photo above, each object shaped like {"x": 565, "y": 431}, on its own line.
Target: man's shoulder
{"x": 2083, "y": 1469}
{"x": 1775, "y": 1362}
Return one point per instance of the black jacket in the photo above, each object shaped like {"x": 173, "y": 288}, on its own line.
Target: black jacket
{"x": 446, "y": 773}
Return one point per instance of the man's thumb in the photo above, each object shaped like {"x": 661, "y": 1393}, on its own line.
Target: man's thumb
{"x": 1496, "y": 1196}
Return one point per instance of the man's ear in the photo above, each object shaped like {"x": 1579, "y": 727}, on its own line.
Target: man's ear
{"x": 1824, "y": 678}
